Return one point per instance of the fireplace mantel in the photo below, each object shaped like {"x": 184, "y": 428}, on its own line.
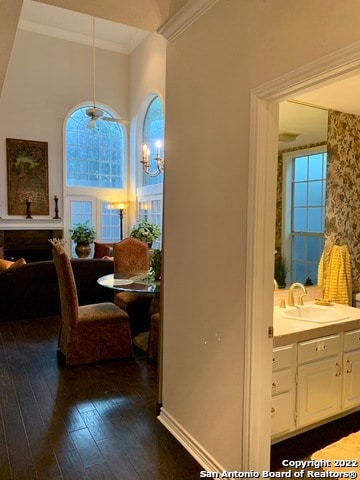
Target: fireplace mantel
{"x": 31, "y": 224}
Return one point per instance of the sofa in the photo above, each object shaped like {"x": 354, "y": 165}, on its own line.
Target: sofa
{"x": 31, "y": 290}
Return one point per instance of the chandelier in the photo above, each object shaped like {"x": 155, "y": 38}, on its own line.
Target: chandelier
{"x": 146, "y": 161}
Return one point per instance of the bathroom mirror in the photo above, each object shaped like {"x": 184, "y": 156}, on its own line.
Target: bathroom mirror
{"x": 335, "y": 125}
{"x": 301, "y": 192}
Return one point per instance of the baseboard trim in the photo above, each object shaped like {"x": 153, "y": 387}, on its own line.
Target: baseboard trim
{"x": 189, "y": 443}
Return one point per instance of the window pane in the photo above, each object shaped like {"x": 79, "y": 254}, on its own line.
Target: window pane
{"x": 315, "y": 246}
{"x": 110, "y": 223}
{"x": 300, "y": 194}
{"x": 298, "y": 272}
{"x": 299, "y": 219}
{"x": 315, "y": 193}
{"x": 300, "y": 168}
{"x": 315, "y": 166}
{"x": 298, "y": 252}
{"x": 311, "y": 272}
{"x": 315, "y": 220}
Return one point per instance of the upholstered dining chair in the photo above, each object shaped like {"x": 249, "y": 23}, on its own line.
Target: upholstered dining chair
{"x": 89, "y": 333}
{"x": 133, "y": 256}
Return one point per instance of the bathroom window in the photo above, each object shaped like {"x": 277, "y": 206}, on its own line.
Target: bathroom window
{"x": 304, "y": 212}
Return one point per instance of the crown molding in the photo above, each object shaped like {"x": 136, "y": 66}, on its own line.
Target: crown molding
{"x": 185, "y": 17}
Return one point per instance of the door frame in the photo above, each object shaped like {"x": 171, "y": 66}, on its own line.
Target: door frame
{"x": 261, "y": 227}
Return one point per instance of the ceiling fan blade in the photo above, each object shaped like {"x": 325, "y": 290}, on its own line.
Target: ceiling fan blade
{"x": 91, "y": 123}
{"x": 116, "y": 120}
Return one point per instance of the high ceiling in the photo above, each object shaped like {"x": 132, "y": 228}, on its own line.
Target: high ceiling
{"x": 47, "y": 17}
{"x": 69, "y": 25}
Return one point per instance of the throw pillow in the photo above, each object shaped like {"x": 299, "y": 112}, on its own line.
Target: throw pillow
{"x": 5, "y": 264}
{"x": 18, "y": 263}
{"x": 103, "y": 249}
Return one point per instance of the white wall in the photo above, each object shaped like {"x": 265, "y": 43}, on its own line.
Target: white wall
{"x": 147, "y": 76}
{"x": 45, "y": 79}
{"x": 211, "y": 69}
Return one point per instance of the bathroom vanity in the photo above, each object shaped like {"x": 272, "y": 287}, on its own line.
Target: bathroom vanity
{"x": 316, "y": 368}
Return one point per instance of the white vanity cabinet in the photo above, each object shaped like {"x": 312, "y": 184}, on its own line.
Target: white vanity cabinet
{"x": 319, "y": 379}
{"x": 351, "y": 369}
{"x": 315, "y": 380}
{"x": 283, "y": 390}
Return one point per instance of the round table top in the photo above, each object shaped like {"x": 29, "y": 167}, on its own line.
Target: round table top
{"x": 141, "y": 283}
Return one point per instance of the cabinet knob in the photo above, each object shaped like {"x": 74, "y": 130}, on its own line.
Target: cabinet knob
{"x": 274, "y": 385}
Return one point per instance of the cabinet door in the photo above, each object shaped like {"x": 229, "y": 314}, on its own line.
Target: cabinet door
{"x": 319, "y": 390}
{"x": 282, "y": 413}
{"x": 351, "y": 382}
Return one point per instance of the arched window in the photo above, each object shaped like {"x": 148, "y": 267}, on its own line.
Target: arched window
{"x": 94, "y": 156}
{"x": 94, "y": 176}
{"x": 153, "y": 131}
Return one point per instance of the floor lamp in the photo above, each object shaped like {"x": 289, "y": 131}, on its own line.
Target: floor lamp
{"x": 121, "y": 207}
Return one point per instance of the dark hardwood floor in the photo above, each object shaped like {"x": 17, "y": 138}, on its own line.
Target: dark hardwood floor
{"x": 98, "y": 422}
{"x": 88, "y": 422}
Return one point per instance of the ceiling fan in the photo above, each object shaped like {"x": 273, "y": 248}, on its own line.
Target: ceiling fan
{"x": 95, "y": 113}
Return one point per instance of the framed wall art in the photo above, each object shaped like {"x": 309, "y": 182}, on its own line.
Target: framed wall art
{"x": 27, "y": 176}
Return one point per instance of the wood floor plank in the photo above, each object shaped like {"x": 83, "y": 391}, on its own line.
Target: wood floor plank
{"x": 5, "y": 473}
{"x": 89, "y": 422}
{"x": 119, "y": 462}
{"x": 87, "y": 447}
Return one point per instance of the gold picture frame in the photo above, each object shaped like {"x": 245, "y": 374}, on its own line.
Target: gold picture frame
{"x": 27, "y": 176}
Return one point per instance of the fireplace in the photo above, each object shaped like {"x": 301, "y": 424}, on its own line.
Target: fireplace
{"x": 32, "y": 245}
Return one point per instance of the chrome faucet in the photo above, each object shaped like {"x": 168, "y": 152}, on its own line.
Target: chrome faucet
{"x": 276, "y": 285}
{"x": 291, "y": 302}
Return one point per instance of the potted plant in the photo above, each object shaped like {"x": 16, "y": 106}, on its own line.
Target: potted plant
{"x": 83, "y": 234}
{"x": 145, "y": 231}
{"x": 155, "y": 263}
{"x": 280, "y": 270}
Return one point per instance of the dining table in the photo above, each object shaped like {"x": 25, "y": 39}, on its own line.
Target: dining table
{"x": 138, "y": 283}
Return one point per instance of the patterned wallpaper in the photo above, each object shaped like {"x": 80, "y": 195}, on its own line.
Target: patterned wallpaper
{"x": 342, "y": 224}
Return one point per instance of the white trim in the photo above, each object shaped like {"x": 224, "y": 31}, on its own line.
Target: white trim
{"x": 259, "y": 273}
{"x": 185, "y": 17}
{"x": 260, "y": 253}
{"x": 189, "y": 443}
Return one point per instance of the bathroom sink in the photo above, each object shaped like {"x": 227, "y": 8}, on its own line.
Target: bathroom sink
{"x": 313, "y": 313}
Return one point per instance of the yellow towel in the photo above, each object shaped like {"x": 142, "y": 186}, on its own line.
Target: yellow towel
{"x": 334, "y": 274}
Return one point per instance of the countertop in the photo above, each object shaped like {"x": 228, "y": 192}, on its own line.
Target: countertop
{"x": 287, "y": 331}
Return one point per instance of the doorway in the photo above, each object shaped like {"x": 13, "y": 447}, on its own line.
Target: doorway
{"x": 262, "y": 180}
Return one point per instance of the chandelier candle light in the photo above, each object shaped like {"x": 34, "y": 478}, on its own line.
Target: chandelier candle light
{"x": 146, "y": 161}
